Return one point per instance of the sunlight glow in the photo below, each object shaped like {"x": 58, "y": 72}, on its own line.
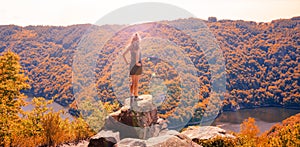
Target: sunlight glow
{"x": 57, "y": 12}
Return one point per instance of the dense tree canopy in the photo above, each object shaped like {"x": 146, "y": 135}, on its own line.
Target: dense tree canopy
{"x": 262, "y": 60}
{"x": 40, "y": 126}
{"x": 12, "y": 81}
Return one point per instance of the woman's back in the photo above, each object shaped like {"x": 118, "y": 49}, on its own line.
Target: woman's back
{"x": 133, "y": 52}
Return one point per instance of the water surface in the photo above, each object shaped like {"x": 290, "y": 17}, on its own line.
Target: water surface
{"x": 265, "y": 117}
{"x": 56, "y": 107}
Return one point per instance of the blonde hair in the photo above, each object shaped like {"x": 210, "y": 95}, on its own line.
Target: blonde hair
{"x": 135, "y": 37}
{"x": 135, "y": 41}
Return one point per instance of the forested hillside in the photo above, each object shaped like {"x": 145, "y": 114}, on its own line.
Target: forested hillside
{"x": 262, "y": 60}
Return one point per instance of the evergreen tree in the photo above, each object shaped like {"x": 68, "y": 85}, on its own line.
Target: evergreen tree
{"x": 12, "y": 81}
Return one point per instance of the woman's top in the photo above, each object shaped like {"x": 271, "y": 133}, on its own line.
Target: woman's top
{"x": 133, "y": 56}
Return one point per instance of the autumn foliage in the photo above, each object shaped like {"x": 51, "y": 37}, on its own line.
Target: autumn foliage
{"x": 44, "y": 127}
{"x": 262, "y": 59}
{"x": 12, "y": 81}
{"x": 38, "y": 127}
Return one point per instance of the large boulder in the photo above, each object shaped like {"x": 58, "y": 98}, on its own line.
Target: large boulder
{"x": 205, "y": 132}
{"x": 128, "y": 131}
{"x": 141, "y": 113}
{"x": 171, "y": 138}
{"x": 137, "y": 120}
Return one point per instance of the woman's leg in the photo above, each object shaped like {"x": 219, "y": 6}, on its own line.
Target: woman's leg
{"x": 131, "y": 86}
{"x": 135, "y": 86}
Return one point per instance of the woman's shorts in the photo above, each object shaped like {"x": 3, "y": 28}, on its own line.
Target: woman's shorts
{"x": 136, "y": 70}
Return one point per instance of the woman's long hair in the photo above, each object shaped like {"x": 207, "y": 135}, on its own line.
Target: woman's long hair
{"x": 135, "y": 42}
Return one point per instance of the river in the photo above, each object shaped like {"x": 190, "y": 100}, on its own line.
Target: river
{"x": 56, "y": 107}
{"x": 265, "y": 117}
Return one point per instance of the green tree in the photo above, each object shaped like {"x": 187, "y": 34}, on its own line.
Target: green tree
{"x": 12, "y": 81}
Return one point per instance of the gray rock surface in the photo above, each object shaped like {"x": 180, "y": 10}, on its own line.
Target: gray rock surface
{"x": 205, "y": 132}
{"x": 167, "y": 140}
{"x": 144, "y": 103}
{"x": 178, "y": 140}
{"x": 131, "y": 142}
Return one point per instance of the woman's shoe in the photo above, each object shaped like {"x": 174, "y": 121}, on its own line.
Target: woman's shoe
{"x": 138, "y": 98}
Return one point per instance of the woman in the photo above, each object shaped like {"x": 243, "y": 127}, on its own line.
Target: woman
{"x": 135, "y": 65}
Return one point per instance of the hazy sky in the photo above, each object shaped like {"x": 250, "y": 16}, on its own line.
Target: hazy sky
{"x": 68, "y": 12}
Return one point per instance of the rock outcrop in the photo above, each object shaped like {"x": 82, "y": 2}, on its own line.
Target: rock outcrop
{"x": 139, "y": 121}
{"x": 142, "y": 113}
{"x": 139, "y": 125}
